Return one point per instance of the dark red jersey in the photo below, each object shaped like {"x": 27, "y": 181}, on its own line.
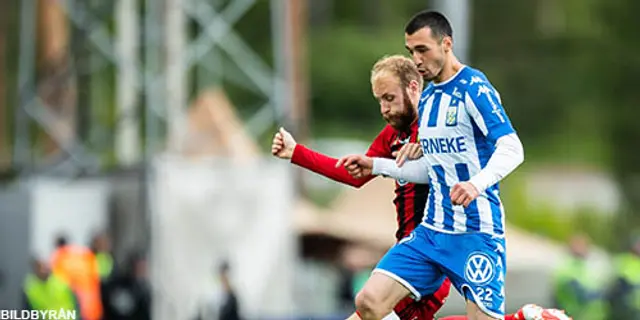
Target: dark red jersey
{"x": 410, "y": 198}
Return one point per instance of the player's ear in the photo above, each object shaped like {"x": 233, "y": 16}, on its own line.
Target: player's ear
{"x": 447, "y": 43}
{"x": 414, "y": 87}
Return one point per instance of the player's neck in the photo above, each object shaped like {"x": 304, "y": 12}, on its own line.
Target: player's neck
{"x": 451, "y": 67}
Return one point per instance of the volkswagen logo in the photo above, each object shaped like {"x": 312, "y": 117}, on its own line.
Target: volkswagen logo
{"x": 479, "y": 269}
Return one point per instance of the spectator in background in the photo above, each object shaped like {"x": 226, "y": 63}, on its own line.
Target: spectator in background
{"x": 222, "y": 303}
{"x": 101, "y": 247}
{"x": 577, "y": 290}
{"x": 44, "y": 290}
{"x": 126, "y": 294}
{"x": 357, "y": 262}
{"x": 77, "y": 266}
{"x": 624, "y": 296}
{"x": 229, "y": 309}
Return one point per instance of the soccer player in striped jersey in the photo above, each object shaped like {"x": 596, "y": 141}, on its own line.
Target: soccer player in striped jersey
{"x": 469, "y": 145}
{"x": 400, "y": 112}
{"x": 401, "y": 117}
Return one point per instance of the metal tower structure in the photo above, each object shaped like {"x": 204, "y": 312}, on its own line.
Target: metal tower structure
{"x": 145, "y": 49}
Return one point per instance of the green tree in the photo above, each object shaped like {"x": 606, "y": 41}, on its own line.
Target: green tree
{"x": 617, "y": 69}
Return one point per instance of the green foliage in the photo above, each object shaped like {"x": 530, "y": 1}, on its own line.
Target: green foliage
{"x": 549, "y": 221}
{"x": 618, "y": 69}
{"x": 541, "y": 70}
{"x": 340, "y": 70}
{"x": 581, "y": 141}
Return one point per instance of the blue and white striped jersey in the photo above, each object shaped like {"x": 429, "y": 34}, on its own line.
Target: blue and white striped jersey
{"x": 459, "y": 123}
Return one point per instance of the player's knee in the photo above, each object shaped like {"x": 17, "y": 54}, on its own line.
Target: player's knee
{"x": 365, "y": 300}
{"x": 371, "y": 305}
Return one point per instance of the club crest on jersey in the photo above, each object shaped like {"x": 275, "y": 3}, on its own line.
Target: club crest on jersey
{"x": 452, "y": 115}
{"x": 401, "y": 182}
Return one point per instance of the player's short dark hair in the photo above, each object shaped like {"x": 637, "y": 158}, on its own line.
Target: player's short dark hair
{"x": 434, "y": 20}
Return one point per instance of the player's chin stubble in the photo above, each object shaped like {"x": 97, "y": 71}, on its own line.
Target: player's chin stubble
{"x": 402, "y": 122}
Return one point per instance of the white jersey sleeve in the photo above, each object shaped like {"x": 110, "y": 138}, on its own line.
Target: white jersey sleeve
{"x": 485, "y": 108}
{"x": 413, "y": 171}
{"x": 509, "y": 154}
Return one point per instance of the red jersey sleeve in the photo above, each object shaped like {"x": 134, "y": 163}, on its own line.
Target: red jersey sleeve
{"x": 381, "y": 145}
{"x": 326, "y": 166}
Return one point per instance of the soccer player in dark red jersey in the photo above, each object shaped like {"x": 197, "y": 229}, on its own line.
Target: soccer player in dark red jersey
{"x": 396, "y": 82}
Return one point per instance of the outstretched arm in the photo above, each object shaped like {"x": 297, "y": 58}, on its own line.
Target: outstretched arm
{"x": 414, "y": 171}
{"x": 285, "y": 147}
{"x": 325, "y": 165}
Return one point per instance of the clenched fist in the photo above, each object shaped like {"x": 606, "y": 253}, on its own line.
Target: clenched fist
{"x": 463, "y": 193}
{"x": 283, "y": 144}
{"x": 358, "y": 166}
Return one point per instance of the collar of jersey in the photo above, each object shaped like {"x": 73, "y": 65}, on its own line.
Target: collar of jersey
{"x": 450, "y": 79}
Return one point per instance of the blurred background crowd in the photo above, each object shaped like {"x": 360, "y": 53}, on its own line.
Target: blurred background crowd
{"x": 137, "y": 181}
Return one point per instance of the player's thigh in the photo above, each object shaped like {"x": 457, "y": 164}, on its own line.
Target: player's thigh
{"x": 477, "y": 270}
{"x": 475, "y": 313}
{"x": 407, "y": 264}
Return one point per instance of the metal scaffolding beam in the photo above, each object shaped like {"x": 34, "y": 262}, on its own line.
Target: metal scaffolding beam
{"x": 127, "y": 140}
{"x": 150, "y": 53}
{"x": 26, "y": 85}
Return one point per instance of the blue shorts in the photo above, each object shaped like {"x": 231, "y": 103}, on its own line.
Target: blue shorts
{"x": 474, "y": 262}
